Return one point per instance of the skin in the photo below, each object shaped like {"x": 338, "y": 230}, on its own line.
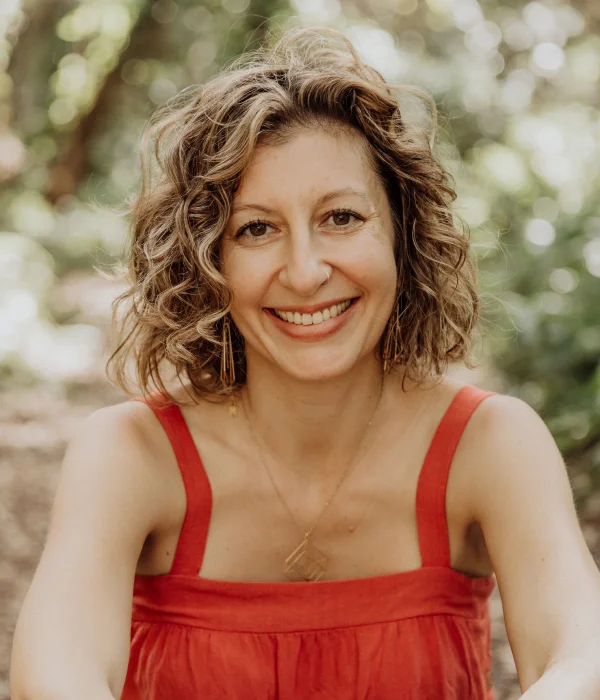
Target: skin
{"x": 509, "y": 504}
{"x": 309, "y": 400}
{"x": 284, "y": 263}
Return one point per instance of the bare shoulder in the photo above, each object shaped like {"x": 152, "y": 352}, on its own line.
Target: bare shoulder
{"x": 142, "y": 433}
{"x": 112, "y": 490}
{"x": 206, "y": 422}
{"x": 120, "y": 447}
{"x": 502, "y": 426}
{"x": 506, "y": 446}
{"x": 129, "y": 428}
{"x": 120, "y": 463}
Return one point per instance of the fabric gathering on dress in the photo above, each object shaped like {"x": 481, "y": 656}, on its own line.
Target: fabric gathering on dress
{"x": 423, "y": 634}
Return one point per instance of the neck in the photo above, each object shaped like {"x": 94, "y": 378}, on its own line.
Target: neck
{"x": 313, "y": 428}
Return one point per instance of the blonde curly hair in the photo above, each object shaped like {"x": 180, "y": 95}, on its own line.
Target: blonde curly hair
{"x": 176, "y": 298}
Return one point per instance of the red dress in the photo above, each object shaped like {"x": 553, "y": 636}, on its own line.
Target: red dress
{"x": 422, "y": 634}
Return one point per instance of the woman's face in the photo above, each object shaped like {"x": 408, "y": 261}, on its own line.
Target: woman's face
{"x": 312, "y": 288}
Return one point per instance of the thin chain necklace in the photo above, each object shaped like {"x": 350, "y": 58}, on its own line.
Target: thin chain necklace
{"x": 306, "y": 562}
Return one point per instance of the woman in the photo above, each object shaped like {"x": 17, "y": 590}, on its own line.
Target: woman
{"x": 288, "y": 519}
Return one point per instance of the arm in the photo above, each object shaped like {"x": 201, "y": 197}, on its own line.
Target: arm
{"x": 549, "y": 584}
{"x": 570, "y": 679}
{"x": 73, "y": 632}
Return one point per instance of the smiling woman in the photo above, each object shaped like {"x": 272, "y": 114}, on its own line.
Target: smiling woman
{"x": 321, "y": 267}
{"x": 318, "y": 511}
{"x": 289, "y": 157}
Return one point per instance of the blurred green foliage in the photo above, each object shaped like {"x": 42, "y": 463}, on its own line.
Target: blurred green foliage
{"x": 517, "y": 88}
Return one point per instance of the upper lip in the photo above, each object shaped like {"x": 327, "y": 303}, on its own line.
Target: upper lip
{"x": 312, "y": 308}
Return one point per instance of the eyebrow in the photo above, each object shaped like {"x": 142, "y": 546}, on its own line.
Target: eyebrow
{"x": 322, "y": 200}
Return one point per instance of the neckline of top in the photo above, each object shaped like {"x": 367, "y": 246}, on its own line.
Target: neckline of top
{"x": 431, "y": 495}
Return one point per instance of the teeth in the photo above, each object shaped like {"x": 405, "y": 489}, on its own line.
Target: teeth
{"x": 313, "y": 319}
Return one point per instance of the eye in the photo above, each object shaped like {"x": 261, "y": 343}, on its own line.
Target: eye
{"x": 253, "y": 229}
{"x": 343, "y": 214}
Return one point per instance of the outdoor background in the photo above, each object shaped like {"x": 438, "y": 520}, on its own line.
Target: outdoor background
{"x": 516, "y": 84}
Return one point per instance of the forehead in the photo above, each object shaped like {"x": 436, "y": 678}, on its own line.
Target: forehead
{"x": 307, "y": 164}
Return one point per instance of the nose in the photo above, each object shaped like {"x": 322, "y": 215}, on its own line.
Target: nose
{"x": 304, "y": 270}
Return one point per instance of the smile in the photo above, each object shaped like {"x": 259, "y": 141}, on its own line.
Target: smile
{"x": 303, "y": 319}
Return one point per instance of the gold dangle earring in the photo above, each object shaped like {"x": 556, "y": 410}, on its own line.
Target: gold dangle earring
{"x": 227, "y": 364}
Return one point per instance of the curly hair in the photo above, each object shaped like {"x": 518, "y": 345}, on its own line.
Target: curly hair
{"x": 176, "y": 296}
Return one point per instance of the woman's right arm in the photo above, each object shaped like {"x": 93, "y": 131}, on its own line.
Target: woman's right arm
{"x": 73, "y": 632}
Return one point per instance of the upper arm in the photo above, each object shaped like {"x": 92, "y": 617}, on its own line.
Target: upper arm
{"x": 522, "y": 499}
{"x": 73, "y": 631}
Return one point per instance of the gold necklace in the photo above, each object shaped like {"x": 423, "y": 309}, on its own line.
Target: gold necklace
{"x": 306, "y": 562}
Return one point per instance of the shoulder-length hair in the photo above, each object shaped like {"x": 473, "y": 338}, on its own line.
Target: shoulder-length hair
{"x": 176, "y": 298}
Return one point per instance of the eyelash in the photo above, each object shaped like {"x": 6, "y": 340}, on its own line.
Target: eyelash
{"x": 243, "y": 229}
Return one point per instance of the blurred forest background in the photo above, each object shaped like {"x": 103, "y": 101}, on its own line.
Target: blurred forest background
{"x": 516, "y": 84}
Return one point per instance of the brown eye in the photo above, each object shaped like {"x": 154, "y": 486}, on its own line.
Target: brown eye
{"x": 342, "y": 218}
{"x": 250, "y": 229}
{"x": 343, "y": 215}
{"x": 256, "y": 230}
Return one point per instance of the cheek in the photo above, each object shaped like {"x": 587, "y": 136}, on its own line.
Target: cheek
{"x": 374, "y": 267}
{"x": 246, "y": 275}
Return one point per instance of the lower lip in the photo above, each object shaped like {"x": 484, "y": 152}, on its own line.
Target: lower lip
{"x": 316, "y": 332}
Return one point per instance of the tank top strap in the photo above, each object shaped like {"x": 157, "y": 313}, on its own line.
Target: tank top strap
{"x": 194, "y": 531}
{"x": 432, "y": 524}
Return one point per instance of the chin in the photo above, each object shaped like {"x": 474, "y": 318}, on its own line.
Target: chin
{"x": 319, "y": 366}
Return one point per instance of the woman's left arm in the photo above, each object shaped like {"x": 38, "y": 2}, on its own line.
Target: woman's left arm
{"x": 548, "y": 581}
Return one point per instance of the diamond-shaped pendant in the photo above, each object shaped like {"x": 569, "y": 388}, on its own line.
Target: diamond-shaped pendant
{"x": 305, "y": 563}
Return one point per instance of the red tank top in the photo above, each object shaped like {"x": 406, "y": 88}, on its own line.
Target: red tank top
{"x": 422, "y": 634}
